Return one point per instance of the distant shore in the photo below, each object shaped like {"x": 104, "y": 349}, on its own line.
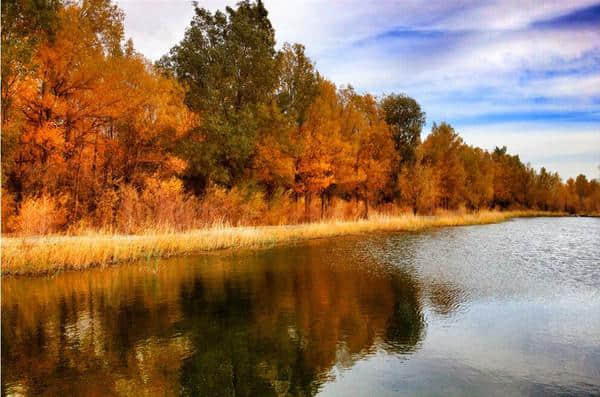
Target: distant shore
{"x": 46, "y": 255}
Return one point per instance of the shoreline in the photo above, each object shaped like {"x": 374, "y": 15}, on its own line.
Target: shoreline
{"x": 46, "y": 255}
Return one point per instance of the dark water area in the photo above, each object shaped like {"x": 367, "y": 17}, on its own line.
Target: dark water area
{"x": 496, "y": 310}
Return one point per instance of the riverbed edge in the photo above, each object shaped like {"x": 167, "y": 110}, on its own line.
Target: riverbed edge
{"x": 48, "y": 255}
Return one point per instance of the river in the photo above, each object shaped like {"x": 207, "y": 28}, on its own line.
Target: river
{"x": 495, "y": 310}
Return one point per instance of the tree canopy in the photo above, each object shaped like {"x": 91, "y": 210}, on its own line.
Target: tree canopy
{"x": 95, "y": 135}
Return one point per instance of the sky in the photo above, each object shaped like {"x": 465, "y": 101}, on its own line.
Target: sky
{"x": 519, "y": 73}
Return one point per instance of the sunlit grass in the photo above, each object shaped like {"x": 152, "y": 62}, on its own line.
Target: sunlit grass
{"x": 48, "y": 254}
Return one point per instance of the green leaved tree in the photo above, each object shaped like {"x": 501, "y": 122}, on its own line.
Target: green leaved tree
{"x": 227, "y": 63}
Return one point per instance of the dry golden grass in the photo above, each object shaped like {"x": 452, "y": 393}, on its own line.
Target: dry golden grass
{"x": 43, "y": 255}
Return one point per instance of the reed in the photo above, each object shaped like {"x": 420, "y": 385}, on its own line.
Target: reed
{"x": 49, "y": 254}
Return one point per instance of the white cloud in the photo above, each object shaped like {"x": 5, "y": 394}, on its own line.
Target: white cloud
{"x": 571, "y": 86}
{"x": 448, "y": 64}
{"x": 157, "y": 25}
{"x": 510, "y": 14}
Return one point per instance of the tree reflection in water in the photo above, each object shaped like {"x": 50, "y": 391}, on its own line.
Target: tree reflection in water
{"x": 265, "y": 323}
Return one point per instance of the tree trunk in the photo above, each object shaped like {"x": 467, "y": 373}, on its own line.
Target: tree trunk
{"x": 307, "y": 200}
{"x": 94, "y": 168}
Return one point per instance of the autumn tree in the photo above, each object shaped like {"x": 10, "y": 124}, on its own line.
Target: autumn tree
{"x": 441, "y": 150}
{"x": 319, "y": 143}
{"x": 277, "y": 149}
{"x": 57, "y": 100}
{"x": 593, "y": 198}
{"x": 548, "y": 192}
{"x": 582, "y": 195}
{"x": 372, "y": 155}
{"x": 513, "y": 182}
{"x": 94, "y": 113}
{"x": 418, "y": 184}
{"x": 273, "y": 160}
{"x": 581, "y": 186}
{"x": 25, "y": 25}
{"x": 479, "y": 177}
{"x": 406, "y": 120}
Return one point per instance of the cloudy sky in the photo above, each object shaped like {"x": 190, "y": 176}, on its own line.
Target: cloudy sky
{"x": 520, "y": 73}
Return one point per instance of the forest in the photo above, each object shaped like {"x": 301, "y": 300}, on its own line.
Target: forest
{"x": 226, "y": 128}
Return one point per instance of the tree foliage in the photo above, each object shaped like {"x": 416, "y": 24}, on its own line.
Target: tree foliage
{"x": 227, "y": 62}
{"x": 91, "y": 131}
{"x": 406, "y": 120}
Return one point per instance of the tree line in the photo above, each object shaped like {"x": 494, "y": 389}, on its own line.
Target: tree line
{"x": 223, "y": 127}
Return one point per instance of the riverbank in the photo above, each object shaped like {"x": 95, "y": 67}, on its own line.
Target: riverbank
{"x": 50, "y": 254}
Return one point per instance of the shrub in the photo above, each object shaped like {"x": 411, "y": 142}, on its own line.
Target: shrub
{"x": 167, "y": 206}
{"x": 40, "y": 215}
{"x": 161, "y": 206}
{"x": 8, "y": 210}
{"x": 237, "y": 206}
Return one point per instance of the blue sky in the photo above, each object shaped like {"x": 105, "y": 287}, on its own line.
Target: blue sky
{"x": 520, "y": 73}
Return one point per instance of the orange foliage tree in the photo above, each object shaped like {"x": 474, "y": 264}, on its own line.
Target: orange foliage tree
{"x": 320, "y": 142}
{"x": 369, "y": 152}
{"x": 92, "y": 113}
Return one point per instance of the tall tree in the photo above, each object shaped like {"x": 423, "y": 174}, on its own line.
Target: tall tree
{"x": 298, "y": 82}
{"x": 227, "y": 62}
{"x": 581, "y": 188}
{"x": 441, "y": 150}
{"x": 279, "y": 123}
{"x": 320, "y": 145}
{"x": 371, "y": 145}
{"x": 94, "y": 114}
{"x": 57, "y": 98}
{"x": 406, "y": 119}
{"x": 419, "y": 185}
{"x": 512, "y": 181}
{"x": 273, "y": 159}
{"x": 479, "y": 177}
{"x": 25, "y": 25}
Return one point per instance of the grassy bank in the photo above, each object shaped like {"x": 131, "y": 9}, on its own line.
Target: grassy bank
{"x": 43, "y": 255}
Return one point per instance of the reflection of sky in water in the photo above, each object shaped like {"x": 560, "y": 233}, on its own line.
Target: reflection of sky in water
{"x": 493, "y": 348}
{"x": 540, "y": 257}
{"x": 507, "y": 309}
{"x": 510, "y": 309}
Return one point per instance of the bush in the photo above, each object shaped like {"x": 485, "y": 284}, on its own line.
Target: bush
{"x": 167, "y": 206}
{"x": 8, "y": 210}
{"x": 161, "y": 206}
{"x": 40, "y": 215}
{"x": 234, "y": 207}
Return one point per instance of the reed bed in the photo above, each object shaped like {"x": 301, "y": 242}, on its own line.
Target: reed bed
{"x": 49, "y": 254}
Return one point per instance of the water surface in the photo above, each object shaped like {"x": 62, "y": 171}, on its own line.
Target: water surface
{"x": 496, "y": 310}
